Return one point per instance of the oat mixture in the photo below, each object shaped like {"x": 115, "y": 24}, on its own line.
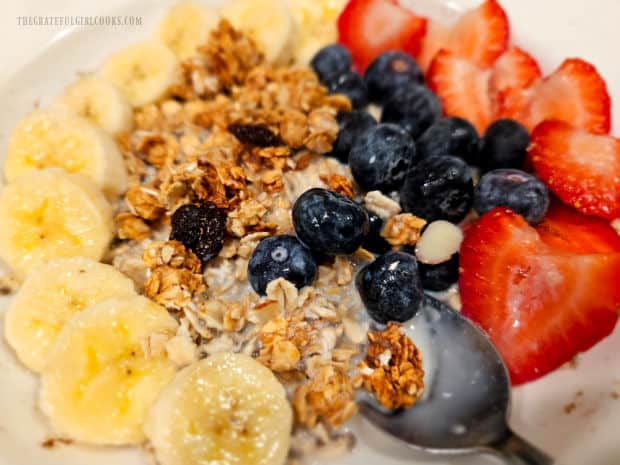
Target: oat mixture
{"x": 250, "y": 137}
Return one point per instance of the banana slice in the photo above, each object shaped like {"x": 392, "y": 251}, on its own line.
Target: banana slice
{"x": 48, "y": 214}
{"x": 225, "y": 409}
{"x": 268, "y": 22}
{"x": 52, "y": 293}
{"x": 143, "y": 72}
{"x": 99, "y": 101}
{"x": 57, "y": 138}
{"x": 186, "y": 27}
{"x": 316, "y": 21}
{"x": 99, "y": 381}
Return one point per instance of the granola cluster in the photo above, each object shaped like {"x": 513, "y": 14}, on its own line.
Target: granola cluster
{"x": 250, "y": 138}
{"x": 392, "y": 369}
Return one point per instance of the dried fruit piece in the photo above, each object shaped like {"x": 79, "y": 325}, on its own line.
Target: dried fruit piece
{"x": 200, "y": 228}
{"x": 254, "y": 134}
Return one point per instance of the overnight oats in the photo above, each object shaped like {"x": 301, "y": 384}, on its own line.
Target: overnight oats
{"x": 217, "y": 239}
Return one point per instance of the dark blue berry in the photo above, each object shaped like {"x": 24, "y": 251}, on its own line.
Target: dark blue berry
{"x": 201, "y": 228}
{"x": 414, "y": 108}
{"x": 329, "y": 223}
{"x": 390, "y": 72}
{"x": 450, "y": 136}
{"x": 441, "y": 276}
{"x": 351, "y": 126}
{"x": 349, "y": 84}
{"x": 390, "y": 287}
{"x": 504, "y": 145}
{"x": 331, "y": 60}
{"x": 523, "y": 193}
{"x": 374, "y": 242}
{"x": 439, "y": 188}
{"x": 381, "y": 157}
{"x": 281, "y": 257}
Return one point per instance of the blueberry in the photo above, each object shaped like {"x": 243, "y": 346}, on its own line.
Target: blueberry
{"x": 200, "y": 228}
{"x": 523, "y": 193}
{"x": 374, "y": 242}
{"x": 352, "y": 125}
{"x": 390, "y": 287}
{"x": 504, "y": 145}
{"x": 349, "y": 84}
{"x": 450, "y": 136}
{"x": 332, "y": 60}
{"x": 441, "y": 276}
{"x": 281, "y": 257}
{"x": 415, "y": 108}
{"x": 388, "y": 73}
{"x": 439, "y": 188}
{"x": 381, "y": 157}
{"x": 329, "y": 223}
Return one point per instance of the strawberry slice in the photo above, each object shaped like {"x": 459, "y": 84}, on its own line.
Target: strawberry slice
{"x": 480, "y": 36}
{"x": 566, "y": 229}
{"x": 370, "y": 27}
{"x": 575, "y": 93}
{"x": 462, "y": 87}
{"x": 581, "y": 168}
{"x": 513, "y": 73}
{"x": 540, "y": 305}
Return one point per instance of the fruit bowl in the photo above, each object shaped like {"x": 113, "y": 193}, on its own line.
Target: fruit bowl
{"x": 571, "y": 413}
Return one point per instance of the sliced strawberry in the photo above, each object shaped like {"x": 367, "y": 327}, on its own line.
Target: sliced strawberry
{"x": 370, "y": 27}
{"x": 566, "y": 229}
{"x": 480, "y": 36}
{"x": 540, "y": 305}
{"x": 575, "y": 93}
{"x": 581, "y": 168}
{"x": 512, "y": 74}
{"x": 462, "y": 87}
{"x": 437, "y": 37}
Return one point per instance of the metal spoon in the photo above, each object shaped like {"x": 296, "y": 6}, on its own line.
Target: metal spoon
{"x": 467, "y": 396}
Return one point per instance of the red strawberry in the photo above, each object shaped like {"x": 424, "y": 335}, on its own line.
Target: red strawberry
{"x": 511, "y": 75}
{"x": 540, "y": 305}
{"x": 481, "y": 36}
{"x": 581, "y": 168}
{"x": 566, "y": 229}
{"x": 370, "y": 27}
{"x": 462, "y": 87}
{"x": 575, "y": 93}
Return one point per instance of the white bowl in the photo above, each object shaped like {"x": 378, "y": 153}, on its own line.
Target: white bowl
{"x": 542, "y": 411}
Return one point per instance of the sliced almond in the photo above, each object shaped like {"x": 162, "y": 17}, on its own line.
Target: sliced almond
{"x": 440, "y": 240}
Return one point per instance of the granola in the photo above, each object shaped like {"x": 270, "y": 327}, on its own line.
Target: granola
{"x": 249, "y": 137}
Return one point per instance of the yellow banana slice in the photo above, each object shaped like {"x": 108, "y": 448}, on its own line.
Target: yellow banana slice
{"x": 52, "y": 137}
{"x": 52, "y": 293}
{"x": 143, "y": 72}
{"x": 99, "y": 381}
{"x": 48, "y": 214}
{"x": 227, "y": 409}
{"x": 186, "y": 27}
{"x": 99, "y": 101}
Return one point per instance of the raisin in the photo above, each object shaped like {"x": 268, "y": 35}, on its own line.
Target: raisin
{"x": 254, "y": 134}
{"x": 200, "y": 228}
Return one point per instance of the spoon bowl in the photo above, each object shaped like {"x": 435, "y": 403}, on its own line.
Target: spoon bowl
{"x": 467, "y": 398}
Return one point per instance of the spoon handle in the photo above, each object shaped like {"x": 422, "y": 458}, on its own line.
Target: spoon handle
{"x": 517, "y": 451}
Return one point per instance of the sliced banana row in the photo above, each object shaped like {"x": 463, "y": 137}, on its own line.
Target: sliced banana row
{"x": 226, "y": 409}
